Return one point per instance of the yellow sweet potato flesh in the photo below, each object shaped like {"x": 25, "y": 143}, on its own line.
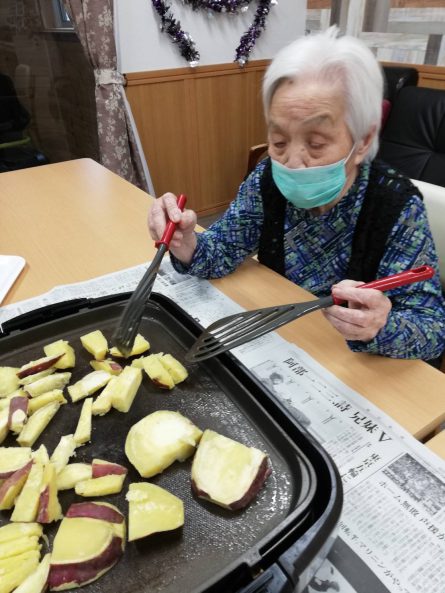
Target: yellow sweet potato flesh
{"x": 96, "y": 344}
{"x": 55, "y": 395}
{"x": 177, "y": 371}
{"x": 41, "y": 455}
{"x": 36, "y": 581}
{"x": 54, "y": 381}
{"x": 64, "y": 450}
{"x": 140, "y": 346}
{"x": 12, "y": 531}
{"x": 73, "y": 473}
{"x": 152, "y": 509}
{"x": 224, "y": 470}
{"x": 4, "y": 424}
{"x": 36, "y": 424}
{"x": 36, "y": 376}
{"x": 12, "y": 486}
{"x": 68, "y": 359}
{"x": 9, "y": 381}
{"x": 88, "y": 385}
{"x": 108, "y": 365}
{"x": 102, "y": 403}
{"x": 27, "y": 503}
{"x": 14, "y": 571}
{"x": 49, "y": 507}
{"x": 19, "y": 546}
{"x": 125, "y": 388}
{"x": 159, "y": 439}
{"x": 80, "y": 539}
{"x": 157, "y": 372}
{"x": 110, "y": 484}
{"x": 12, "y": 459}
{"x": 82, "y": 433}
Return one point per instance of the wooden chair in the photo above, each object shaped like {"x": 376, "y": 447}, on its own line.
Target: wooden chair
{"x": 254, "y": 156}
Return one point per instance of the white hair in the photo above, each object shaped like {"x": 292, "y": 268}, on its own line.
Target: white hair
{"x": 328, "y": 58}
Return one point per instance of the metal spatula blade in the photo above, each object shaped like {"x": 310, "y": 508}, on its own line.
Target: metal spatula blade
{"x": 234, "y": 330}
{"x": 129, "y": 322}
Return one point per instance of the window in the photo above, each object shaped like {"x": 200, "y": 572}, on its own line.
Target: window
{"x": 54, "y": 16}
{"x": 409, "y": 31}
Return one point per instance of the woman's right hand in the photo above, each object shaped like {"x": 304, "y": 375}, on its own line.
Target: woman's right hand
{"x": 183, "y": 242}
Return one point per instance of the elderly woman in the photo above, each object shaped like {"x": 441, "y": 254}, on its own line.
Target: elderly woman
{"x": 320, "y": 210}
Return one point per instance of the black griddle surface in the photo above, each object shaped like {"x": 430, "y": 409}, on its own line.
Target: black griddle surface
{"x": 214, "y": 543}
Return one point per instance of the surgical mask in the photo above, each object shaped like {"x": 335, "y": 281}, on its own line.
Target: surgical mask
{"x": 310, "y": 187}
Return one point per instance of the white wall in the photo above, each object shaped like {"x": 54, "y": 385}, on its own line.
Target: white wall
{"x": 142, "y": 46}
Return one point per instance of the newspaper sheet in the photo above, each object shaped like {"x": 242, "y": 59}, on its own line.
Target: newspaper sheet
{"x": 391, "y": 535}
{"x": 392, "y": 530}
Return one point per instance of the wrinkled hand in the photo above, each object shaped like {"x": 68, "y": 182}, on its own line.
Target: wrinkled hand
{"x": 183, "y": 242}
{"x": 366, "y": 314}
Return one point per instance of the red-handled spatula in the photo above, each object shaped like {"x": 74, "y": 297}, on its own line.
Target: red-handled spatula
{"x": 237, "y": 329}
{"x": 128, "y": 325}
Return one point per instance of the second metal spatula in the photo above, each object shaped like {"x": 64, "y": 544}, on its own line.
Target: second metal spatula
{"x": 128, "y": 324}
{"x": 234, "y": 330}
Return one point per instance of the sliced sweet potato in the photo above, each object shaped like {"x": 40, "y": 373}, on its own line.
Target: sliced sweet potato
{"x": 96, "y": 344}
{"x": 36, "y": 582}
{"x": 96, "y": 510}
{"x": 159, "y": 439}
{"x": 36, "y": 424}
{"x": 88, "y": 385}
{"x": 12, "y": 531}
{"x": 54, "y": 381}
{"x": 12, "y": 486}
{"x": 101, "y": 468}
{"x": 151, "y": 510}
{"x": 27, "y": 503}
{"x": 49, "y": 509}
{"x": 140, "y": 346}
{"x": 36, "y": 366}
{"x": 109, "y": 484}
{"x": 82, "y": 433}
{"x": 12, "y": 459}
{"x": 68, "y": 360}
{"x": 18, "y": 413}
{"x": 83, "y": 549}
{"x": 73, "y": 473}
{"x": 227, "y": 472}
{"x": 9, "y": 381}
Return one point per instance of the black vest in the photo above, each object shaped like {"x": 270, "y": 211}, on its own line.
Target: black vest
{"x": 381, "y": 208}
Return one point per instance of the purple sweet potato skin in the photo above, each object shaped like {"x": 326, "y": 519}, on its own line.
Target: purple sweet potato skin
{"x": 263, "y": 473}
{"x": 6, "y": 475}
{"x": 105, "y": 469}
{"x": 17, "y": 403}
{"x": 94, "y": 511}
{"x": 38, "y": 368}
{"x": 42, "y": 516}
{"x": 13, "y": 478}
{"x": 82, "y": 572}
{"x": 159, "y": 384}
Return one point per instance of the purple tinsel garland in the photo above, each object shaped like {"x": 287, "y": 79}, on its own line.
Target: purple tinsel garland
{"x": 187, "y": 46}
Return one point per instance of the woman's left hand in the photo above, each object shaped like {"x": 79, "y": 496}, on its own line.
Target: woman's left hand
{"x": 365, "y": 315}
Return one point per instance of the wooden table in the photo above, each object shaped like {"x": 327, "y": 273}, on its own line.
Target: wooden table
{"x": 437, "y": 444}
{"x": 73, "y": 221}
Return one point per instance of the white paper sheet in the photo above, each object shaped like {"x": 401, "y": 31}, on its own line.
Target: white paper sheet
{"x": 10, "y": 268}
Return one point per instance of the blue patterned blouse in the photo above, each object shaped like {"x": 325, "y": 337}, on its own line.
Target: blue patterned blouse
{"x": 317, "y": 252}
